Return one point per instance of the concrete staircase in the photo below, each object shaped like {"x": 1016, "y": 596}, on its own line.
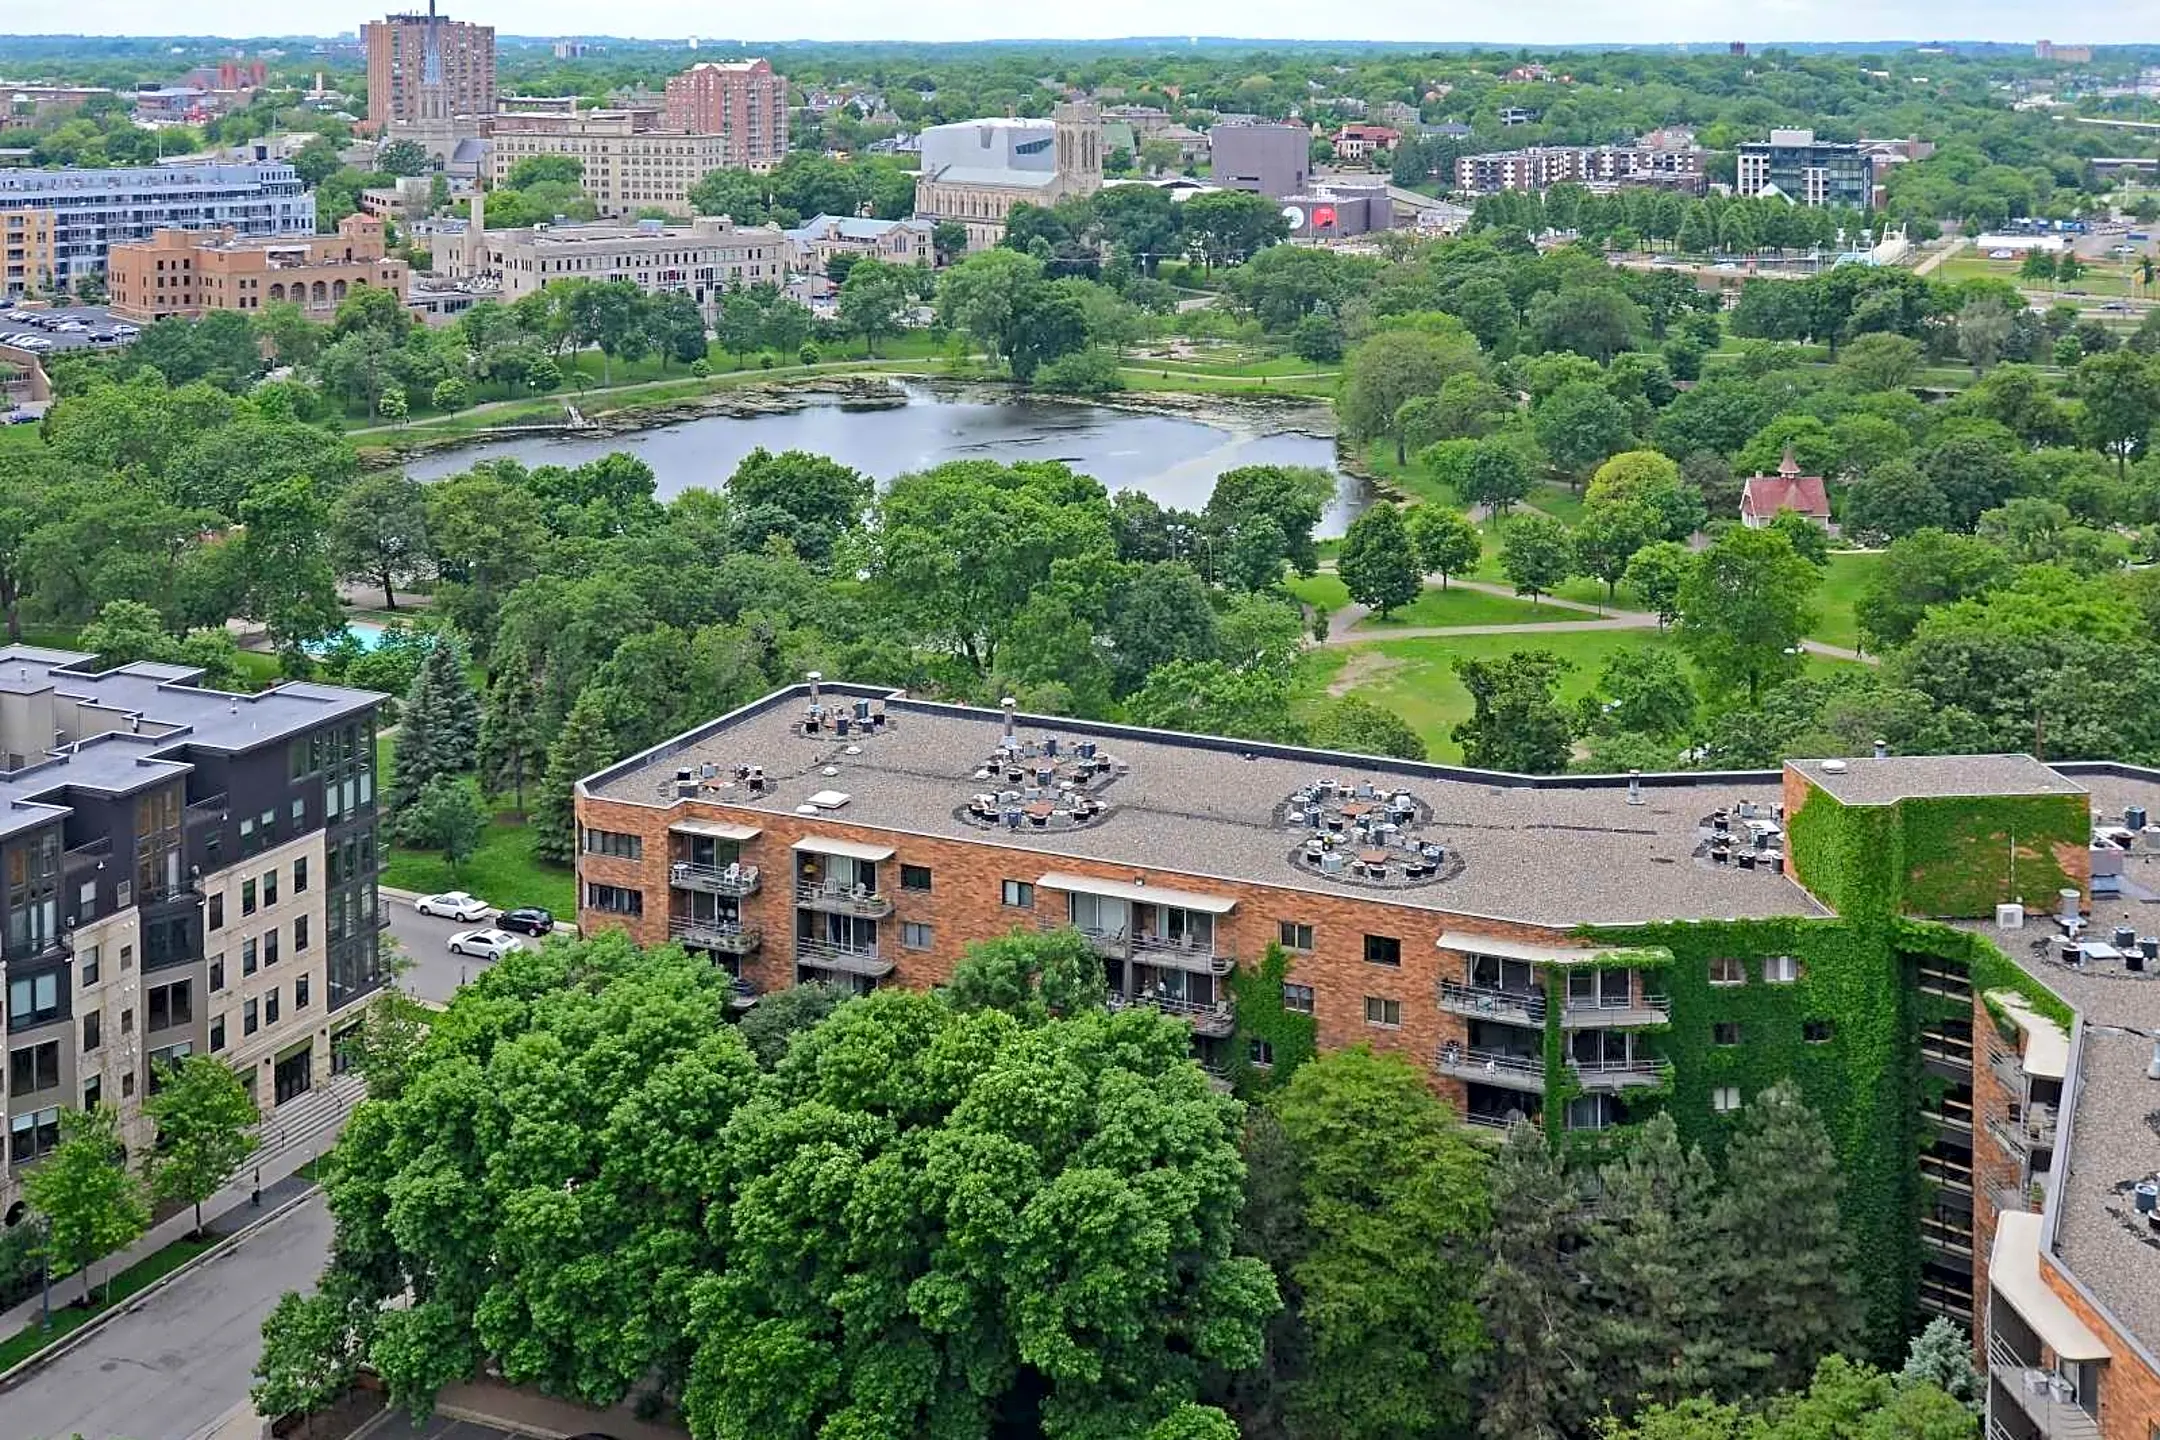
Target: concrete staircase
{"x": 309, "y": 1123}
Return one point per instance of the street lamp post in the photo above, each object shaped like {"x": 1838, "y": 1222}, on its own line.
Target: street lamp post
{"x": 45, "y": 1266}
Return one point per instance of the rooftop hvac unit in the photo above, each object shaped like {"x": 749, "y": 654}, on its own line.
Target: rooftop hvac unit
{"x": 2010, "y": 917}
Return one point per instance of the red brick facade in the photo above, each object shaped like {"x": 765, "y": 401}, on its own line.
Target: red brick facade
{"x": 2130, "y": 1390}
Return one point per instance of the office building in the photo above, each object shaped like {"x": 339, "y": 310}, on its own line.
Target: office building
{"x": 428, "y": 69}
{"x": 190, "y": 272}
{"x": 631, "y": 163}
{"x": 188, "y": 872}
{"x": 702, "y": 259}
{"x": 1806, "y": 171}
{"x": 1602, "y": 947}
{"x": 1270, "y": 160}
{"x": 1541, "y": 167}
{"x": 977, "y": 170}
{"x": 87, "y": 211}
{"x": 741, "y": 101}
{"x": 816, "y": 241}
{"x": 2062, "y": 54}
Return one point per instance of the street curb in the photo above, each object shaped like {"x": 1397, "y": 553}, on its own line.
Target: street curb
{"x": 60, "y": 1347}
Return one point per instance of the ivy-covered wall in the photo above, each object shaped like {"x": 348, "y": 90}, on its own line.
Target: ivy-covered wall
{"x": 1257, "y": 995}
{"x": 1963, "y": 855}
{"x": 1850, "y": 856}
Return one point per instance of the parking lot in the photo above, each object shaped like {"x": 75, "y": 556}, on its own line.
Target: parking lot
{"x": 48, "y": 330}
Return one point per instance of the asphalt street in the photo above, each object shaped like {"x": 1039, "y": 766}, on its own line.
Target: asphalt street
{"x": 425, "y": 939}
{"x": 177, "y": 1363}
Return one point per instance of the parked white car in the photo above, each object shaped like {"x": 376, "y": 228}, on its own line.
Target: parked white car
{"x": 454, "y": 905}
{"x": 484, "y": 944}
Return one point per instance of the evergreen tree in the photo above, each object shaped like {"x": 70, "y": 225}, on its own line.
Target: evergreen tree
{"x": 1783, "y": 1256}
{"x": 439, "y": 725}
{"x": 1941, "y": 1355}
{"x": 1539, "y": 1369}
{"x": 1379, "y": 565}
{"x": 1651, "y": 1272}
{"x": 511, "y": 746}
{"x": 583, "y": 746}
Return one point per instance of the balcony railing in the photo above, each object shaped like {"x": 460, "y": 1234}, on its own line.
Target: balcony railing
{"x": 81, "y": 855}
{"x": 1491, "y": 1067}
{"x": 1182, "y": 952}
{"x": 1111, "y": 943}
{"x": 836, "y": 900}
{"x": 1954, "y": 1051}
{"x": 736, "y": 880}
{"x": 208, "y": 810}
{"x": 1943, "y": 1298}
{"x": 1945, "y": 983}
{"x": 2008, "y": 1070}
{"x": 1942, "y": 1234}
{"x": 1949, "y": 1174}
{"x": 1490, "y": 1002}
{"x": 1617, "y": 1074}
{"x": 2048, "y": 1399}
{"x": 1617, "y": 1013}
{"x": 848, "y": 960}
{"x": 730, "y": 936}
{"x": 1214, "y": 1019}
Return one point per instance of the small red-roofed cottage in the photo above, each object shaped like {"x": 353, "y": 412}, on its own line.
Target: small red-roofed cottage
{"x": 1762, "y": 496}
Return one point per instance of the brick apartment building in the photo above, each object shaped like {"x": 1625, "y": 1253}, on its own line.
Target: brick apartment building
{"x": 187, "y": 872}
{"x": 741, "y": 101}
{"x": 190, "y": 272}
{"x": 1598, "y": 166}
{"x": 1572, "y": 950}
{"x": 70, "y": 218}
{"x": 428, "y": 69}
{"x": 631, "y": 162}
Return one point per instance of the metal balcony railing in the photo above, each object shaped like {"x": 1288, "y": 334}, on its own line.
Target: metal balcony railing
{"x": 1616, "y": 1013}
{"x": 2008, "y": 1070}
{"x": 1617, "y": 1074}
{"x": 848, "y": 960}
{"x": 731, "y": 936}
{"x": 837, "y": 900}
{"x": 1491, "y": 1067}
{"x": 2048, "y": 1398}
{"x": 1490, "y": 1002}
{"x": 736, "y": 880}
{"x": 1182, "y": 952}
{"x": 1949, "y": 1174}
{"x": 1214, "y": 1019}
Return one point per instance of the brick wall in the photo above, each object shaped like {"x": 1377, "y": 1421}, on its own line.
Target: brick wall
{"x": 2129, "y": 1388}
{"x": 1991, "y": 1166}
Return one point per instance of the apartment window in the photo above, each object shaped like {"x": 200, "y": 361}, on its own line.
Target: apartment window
{"x": 1384, "y": 1012}
{"x": 1383, "y": 950}
{"x": 1293, "y": 935}
{"x": 1725, "y": 1098}
{"x": 1019, "y": 894}
{"x": 247, "y": 957}
{"x": 86, "y": 966}
{"x": 300, "y": 990}
{"x": 127, "y": 1085}
{"x": 615, "y": 843}
{"x": 914, "y": 935}
{"x": 1298, "y": 998}
{"x": 217, "y": 1034}
{"x": 270, "y": 1006}
{"x": 93, "y": 1026}
{"x": 1725, "y": 970}
{"x": 615, "y": 899}
{"x": 299, "y": 933}
{"x": 127, "y": 958}
{"x": 1780, "y": 970}
{"x": 1817, "y": 1032}
{"x": 171, "y": 1005}
{"x": 270, "y": 947}
{"x": 127, "y": 1021}
{"x": 34, "y": 1068}
{"x": 217, "y": 911}
{"x": 1725, "y": 1032}
{"x": 247, "y": 896}
{"x": 217, "y": 973}
{"x": 1260, "y": 1052}
{"x": 269, "y": 887}
{"x": 93, "y": 1090}
{"x": 86, "y": 901}
{"x": 33, "y": 1000}
{"x": 915, "y": 877}
{"x": 33, "y": 1134}
{"x": 299, "y": 876}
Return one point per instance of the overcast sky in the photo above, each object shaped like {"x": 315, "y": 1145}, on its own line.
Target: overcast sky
{"x": 1553, "y": 23}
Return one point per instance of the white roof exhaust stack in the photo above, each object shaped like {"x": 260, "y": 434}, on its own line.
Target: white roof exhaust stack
{"x": 2152, "y": 1066}
{"x": 815, "y": 677}
{"x": 2066, "y": 906}
{"x": 1634, "y": 787}
{"x": 1882, "y": 749}
{"x": 1009, "y": 705}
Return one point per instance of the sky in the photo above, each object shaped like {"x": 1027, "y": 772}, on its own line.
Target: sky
{"x": 1551, "y": 24}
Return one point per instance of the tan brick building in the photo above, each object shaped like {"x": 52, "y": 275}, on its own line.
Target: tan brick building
{"x": 190, "y": 272}
{"x": 630, "y": 163}
{"x": 702, "y": 259}
{"x": 741, "y": 101}
{"x": 428, "y": 69}
{"x": 28, "y": 262}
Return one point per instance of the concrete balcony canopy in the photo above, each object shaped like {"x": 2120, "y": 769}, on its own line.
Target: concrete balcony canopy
{"x": 844, "y": 849}
{"x": 715, "y": 830}
{"x": 1469, "y": 942}
{"x": 2014, "y": 1275}
{"x": 1136, "y": 893}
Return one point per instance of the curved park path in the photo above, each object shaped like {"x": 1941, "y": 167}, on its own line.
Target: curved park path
{"x": 1343, "y": 623}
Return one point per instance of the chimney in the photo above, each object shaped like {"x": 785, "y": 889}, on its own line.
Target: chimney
{"x": 1882, "y": 749}
{"x": 1634, "y": 787}
{"x": 1008, "y": 704}
{"x": 814, "y": 677}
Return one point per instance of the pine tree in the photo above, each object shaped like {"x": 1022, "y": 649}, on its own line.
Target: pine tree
{"x": 1785, "y": 1263}
{"x": 438, "y": 726}
{"x": 1538, "y": 1371}
{"x": 511, "y": 747}
{"x": 1651, "y": 1266}
{"x": 1941, "y": 1355}
{"x": 583, "y": 746}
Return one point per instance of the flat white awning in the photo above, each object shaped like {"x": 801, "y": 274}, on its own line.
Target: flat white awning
{"x": 845, "y": 849}
{"x": 2047, "y": 1048}
{"x": 2014, "y": 1272}
{"x": 717, "y": 829}
{"x": 1136, "y": 894}
{"x": 1475, "y": 944}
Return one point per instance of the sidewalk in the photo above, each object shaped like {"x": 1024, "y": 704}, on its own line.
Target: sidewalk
{"x": 224, "y": 1214}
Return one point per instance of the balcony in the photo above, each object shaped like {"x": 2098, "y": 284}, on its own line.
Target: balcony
{"x": 1111, "y": 944}
{"x": 1181, "y": 953}
{"x": 1635, "y": 1013}
{"x": 1940, "y": 1297}
{"x": 1947, "y": 984}
{"x": 2007, "y": 1070}
{"x": 1492, "y": 1067}
{"x": 1490, "y": 1002}
{"x": 1953, "y": 1116}
{"x": 1606, "y": 1075}
{"x": 835, "y": 900}
{"x": 2047, "y": 1398}
{"x": 739, "y": 881}
{"x": 844, "y": 959}
{"x": 210, "y": 810}
{"x": 1951, "y": 1175}
{"x": 1214, "y": 1020}
{"x": 1949, "y": 1052}
{"x": 730, "y": 937}
{"x": 1943, "y": 1235}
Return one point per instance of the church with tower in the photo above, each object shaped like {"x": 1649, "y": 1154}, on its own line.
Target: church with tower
{"x": 975, "y": 171}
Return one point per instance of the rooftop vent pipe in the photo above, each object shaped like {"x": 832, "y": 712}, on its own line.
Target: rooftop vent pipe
{"x": 1634, "y": 787}
{"x": 1882, "y": 749}
{"x": 1009, "y": 705}
{"x": 2152, "y": 1067}
{"x": 814, "y": 677}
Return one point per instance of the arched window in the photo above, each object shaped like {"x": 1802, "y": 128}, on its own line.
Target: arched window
{"x": 337, "y": 290}
{"x": 320, "y": 293}
{"x": 277, "y": 293}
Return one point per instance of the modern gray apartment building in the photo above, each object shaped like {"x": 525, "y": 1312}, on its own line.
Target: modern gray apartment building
{"x": 79, "y": 214}
{"x": 1272, "y": 160}
{"x": 186, "y": 872}
{"x": 1806, "y": 170}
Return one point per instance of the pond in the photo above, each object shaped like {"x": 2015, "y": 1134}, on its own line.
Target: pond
{"x": 1172, "y": 458}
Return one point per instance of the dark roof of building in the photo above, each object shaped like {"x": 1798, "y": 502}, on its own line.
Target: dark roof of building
{"x": 1554, "y": 851}
{"x": 1868, "y": 780}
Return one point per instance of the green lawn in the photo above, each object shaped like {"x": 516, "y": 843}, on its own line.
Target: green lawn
{"x": 1846, "y": 576}
{"x": 1462, "y": 607}
{"x": 1411, "y": 478}
{"x": 2109, "y": 277}
{"x": 1151, "y": 375}
{"x": 503, "y": 871}
{"x": 1323, "y": 591}
{"x": 32, "y": 1338}
{"x": 1558, "y": 501}
{"x": 1234, "y": 361}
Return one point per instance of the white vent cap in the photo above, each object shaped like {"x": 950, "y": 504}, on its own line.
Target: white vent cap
{"x": 827, "y": 800}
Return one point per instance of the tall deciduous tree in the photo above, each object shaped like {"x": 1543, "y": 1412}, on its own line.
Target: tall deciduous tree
{"x": 90, "y": 1202}
{"x": 1744, "y": 608}
{"x": 1029, "y": 974}
{"x": 1516, "y": 722}
{"x": 1391, "y": 367}
{"x": 1537, "y": 553}
{"x": 204, "y": 1118}
{"x": 1378, "y": 564}
{"x": 1655, "y": 573}
{"x": 1447, "y": 543}
{"x": 1580, "y": 425}
{"x": 378, "y": 530}
{"x": 1535, "y": 1380}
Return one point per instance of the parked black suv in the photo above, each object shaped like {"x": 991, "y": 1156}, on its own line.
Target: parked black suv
{"x": 527, "y": 920}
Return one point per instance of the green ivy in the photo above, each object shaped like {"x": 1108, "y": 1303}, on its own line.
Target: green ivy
{"x": 1963, "y": 855}
{"x": 1985, "y": 965}
{"x": 1257, "y": 995}
{"x": 1840, "y": 852}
